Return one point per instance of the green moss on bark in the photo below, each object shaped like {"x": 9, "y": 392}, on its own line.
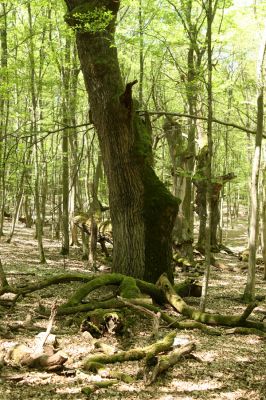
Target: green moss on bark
{"x": 110, "y": 279}
{"x": 129, "y": 289}
{"x": 160, "y": 211}
{"x": 160, "y": 208}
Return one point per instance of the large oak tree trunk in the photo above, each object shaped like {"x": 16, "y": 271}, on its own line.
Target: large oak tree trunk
{"x": 142, "y": 210}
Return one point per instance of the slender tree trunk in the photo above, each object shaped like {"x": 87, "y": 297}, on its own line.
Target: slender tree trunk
{"x": 3, "y": 113}
{"x": 18, "y": 205}
{"x": 249, "y": 292}
{"x": 34, "y": 131}
{"x": 192, "y": 89}
{"x": 263, "y": 227}
{"x": 142, "y": 210}
{"x": 28, "y": 211}
{"x": 205, "y": 283}
{"x": 65, "y": 151}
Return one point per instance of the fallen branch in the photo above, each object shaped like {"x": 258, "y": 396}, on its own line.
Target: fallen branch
{"x": 98, "y": 361}
{"x": 164, "y": 362}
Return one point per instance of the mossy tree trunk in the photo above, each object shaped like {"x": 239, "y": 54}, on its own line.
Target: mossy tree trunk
{"x": 142, "y": 210}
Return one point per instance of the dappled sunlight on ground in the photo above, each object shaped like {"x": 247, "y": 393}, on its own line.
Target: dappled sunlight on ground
{"x": 226, "y": 367}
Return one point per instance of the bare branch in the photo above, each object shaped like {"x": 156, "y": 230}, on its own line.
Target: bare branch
{"x": 217, "y": 121}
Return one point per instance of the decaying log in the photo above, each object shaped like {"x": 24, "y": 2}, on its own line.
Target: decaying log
{"x": 23, "y": 355}
{"x": 39, "y": 357}
{"x": 100, "y": 321}
{"x": 212, "y": 319}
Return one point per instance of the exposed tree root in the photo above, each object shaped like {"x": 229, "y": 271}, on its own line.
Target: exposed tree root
{"x": 212, "y": 319}
{"x": 130, "y": 288}
{"x": 172, "y": 322}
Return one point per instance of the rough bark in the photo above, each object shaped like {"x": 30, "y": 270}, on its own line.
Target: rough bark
{"x": 142, "y": 210}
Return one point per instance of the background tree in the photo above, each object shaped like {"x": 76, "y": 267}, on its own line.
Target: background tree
{"x": 249, "y": 293}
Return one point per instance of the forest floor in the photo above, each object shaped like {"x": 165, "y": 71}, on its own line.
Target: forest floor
{"x": 226, "y": 367}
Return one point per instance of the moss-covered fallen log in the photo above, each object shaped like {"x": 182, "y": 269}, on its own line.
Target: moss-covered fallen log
{"x": 129, "y": 287}
{"x": 54, "y": 280}
{"x": 138, "y": 353}
{"x": 207, "y": 318}
{"x": 167, "y": 361}
{"x": 92, "y": 305}
{"x": 87, "y": 288}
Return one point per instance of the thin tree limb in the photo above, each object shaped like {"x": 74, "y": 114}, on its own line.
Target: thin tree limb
{"x": 218, "y": 121}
